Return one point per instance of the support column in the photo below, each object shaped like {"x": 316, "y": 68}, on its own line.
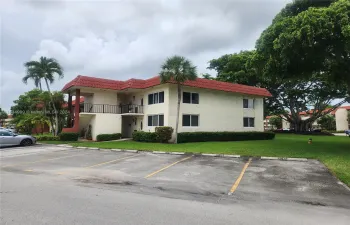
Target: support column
{"x": 75, "y": 128}
{"x": 70, "y": 112}
{"x": 77, "y": 109}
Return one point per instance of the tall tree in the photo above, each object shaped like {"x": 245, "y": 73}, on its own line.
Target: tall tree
{"x": 46, "y": 68}
{"x": 178, "y": 69}
{"x": 236, "y": 68}
{"x": 276, "y": 122}
{"x": 3, "y": 116}
{"x": 33, "y": 76}
{"x": 313, "y": 39}
{"x": 327, "y": 122}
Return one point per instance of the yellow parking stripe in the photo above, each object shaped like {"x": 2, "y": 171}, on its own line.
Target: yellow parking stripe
{"x": 235, "y": 185}
{"x": 116, "y": 160}
{"x": 164, "y": 168}
{"x": 43, "y": 160}
{"x": 100, "y": 164}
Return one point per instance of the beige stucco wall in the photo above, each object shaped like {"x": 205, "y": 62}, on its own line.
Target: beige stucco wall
{"x": 285, "y": 124}
{"x": 105, "y": 123}
{"x": 341, "y": 119}
{"x": 217, "y": 110}
{"x": 159, "y": 108}
{"x": 105, "y": 97}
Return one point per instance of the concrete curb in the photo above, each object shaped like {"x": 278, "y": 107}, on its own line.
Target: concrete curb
{"x": 269, "y": 158}
{"x": 231, "y": 156}
{"x": 159, "y": 152}
{"x": 176, "y": 153}
{"x": 64, "y": 145}
{"x": 116, "y": 150}
{"x": 93, "y": 148}
{"x": 285, "y": 159}
{"x": 134, "y": 151}
{"x": 212, "y": 155}
{"x": 82, "y": 147}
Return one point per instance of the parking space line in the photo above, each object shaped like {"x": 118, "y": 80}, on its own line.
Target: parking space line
{"x": 100, "y": 164}
{"x": 116, "y": 160}
{"x": 235, "y": 185}
{"x": 43, "y": 160}
{"x": 166, "y": 167}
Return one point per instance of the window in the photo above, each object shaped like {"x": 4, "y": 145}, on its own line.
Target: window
{"x": 190, "y": 120}
{"x": 248, "y": 103}
{"x": 191, "y": 98}
{"x": 5, "y": 133}
{"x": 248, "y": 122}
{"x": 155, "y": 120}
{"x": 155, "y": 98}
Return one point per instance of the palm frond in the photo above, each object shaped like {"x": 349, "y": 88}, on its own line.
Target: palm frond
{"x": 179, "y": 69}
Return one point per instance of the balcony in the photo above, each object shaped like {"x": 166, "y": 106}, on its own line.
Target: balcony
{"x": 114, "y": 109}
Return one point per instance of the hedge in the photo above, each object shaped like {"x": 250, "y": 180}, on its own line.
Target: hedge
{"x": 223, "y": 136}
{"x": 68, "y": 136}
{"x": 143, "y": 136}
{"x": 47, "y": 138}
{"x": 321, "y": 133}
{"x": 164, "y": 134}
{"x": 108, "y": 137}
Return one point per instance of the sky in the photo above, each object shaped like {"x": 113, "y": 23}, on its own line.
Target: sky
{"x": 122, "y": 39}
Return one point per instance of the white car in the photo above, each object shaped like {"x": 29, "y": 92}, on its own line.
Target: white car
{"x": 7, "y": 138}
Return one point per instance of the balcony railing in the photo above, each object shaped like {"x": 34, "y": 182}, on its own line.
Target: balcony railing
{"x": 115, "y": 109}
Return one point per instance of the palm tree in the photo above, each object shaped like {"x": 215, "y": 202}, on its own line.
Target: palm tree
{"x": 46, "y": 69}
{"x": 35, "y": 77}
{"x": 178, "y": 69}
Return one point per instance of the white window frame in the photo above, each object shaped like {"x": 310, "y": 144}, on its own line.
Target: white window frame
{"x": 185, "y": 114}
{"x": 153, "y": 94}
{"x": 190, "y": 98}
{"x": 249, "y": 122}
{"x": 158, "y": 120}
{"x": 251, "y": 103}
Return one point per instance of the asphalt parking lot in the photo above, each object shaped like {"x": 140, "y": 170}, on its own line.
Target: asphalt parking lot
{"x": 217, "y": 180}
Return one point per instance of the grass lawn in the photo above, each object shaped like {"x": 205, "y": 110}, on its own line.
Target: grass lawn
{"x": 333, "y": 151}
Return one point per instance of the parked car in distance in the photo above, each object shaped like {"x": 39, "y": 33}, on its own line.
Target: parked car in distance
{"x": 7, "y": 138}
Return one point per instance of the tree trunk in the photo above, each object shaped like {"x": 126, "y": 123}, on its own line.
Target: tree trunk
{"x": 54, "y": 108}
{"x": 178, "y": 110}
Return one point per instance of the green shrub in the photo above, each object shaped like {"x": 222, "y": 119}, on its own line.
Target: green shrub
{"x": 164, "y": 134}
{"x": 69, "y": 136}
{"x": 47, "y": 138}
{"x": 143, "y": 136}
{"x": 108, "y": 137}
{"x": 223, "y": 136}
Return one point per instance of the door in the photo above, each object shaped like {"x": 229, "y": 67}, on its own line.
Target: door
{"x": 7, "y": 138}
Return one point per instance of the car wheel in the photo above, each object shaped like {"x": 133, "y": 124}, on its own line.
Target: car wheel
{"x": 26, "y": 142}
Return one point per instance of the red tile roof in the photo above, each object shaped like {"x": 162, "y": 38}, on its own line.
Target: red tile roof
{"x": 93, "y": 82}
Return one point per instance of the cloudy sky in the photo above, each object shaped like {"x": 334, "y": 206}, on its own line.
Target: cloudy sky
{"x": 121, "y": 39}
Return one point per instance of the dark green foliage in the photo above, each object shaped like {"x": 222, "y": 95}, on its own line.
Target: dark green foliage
{"x": 223, "y": 136}
{"x": 144, "y": 136}
{"x": 320, "y": 133}
{"x": 327, "y": 122}
{"x": 164, "y": 134}
{"x": 69, "y": 136}
{"x": 47, "y": 138}
{"x": 108, "y": 137}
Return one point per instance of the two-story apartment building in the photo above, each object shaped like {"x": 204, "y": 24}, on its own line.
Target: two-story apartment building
{"x": 112, "y": 106}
